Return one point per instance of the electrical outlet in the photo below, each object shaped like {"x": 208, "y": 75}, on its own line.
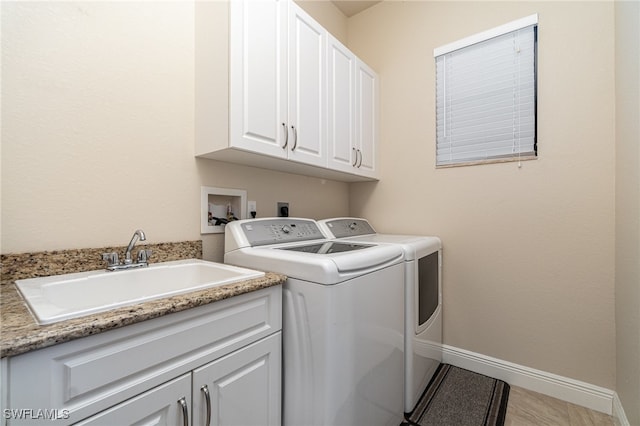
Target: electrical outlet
{"x": 251, "y": 208}
{"x": 283, "y": 209}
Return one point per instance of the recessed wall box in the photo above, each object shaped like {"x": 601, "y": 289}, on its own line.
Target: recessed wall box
{"x": 220, "y": 203}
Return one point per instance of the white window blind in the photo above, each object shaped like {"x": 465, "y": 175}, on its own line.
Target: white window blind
{"x": 486, "y": 95}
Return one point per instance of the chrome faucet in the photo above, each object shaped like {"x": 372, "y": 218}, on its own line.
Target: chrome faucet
{"x": 127, "y": 254}
{"x": 113, "y": 263}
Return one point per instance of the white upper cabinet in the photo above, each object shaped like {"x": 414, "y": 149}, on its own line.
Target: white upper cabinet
{"x": 291, "y": 91}
{"x": 366, "y": 119}
{"x": 277, "y": 81}
{"x": 352, "y": 113}
{"x": 341, "y": 94}
{"x": 258, "y": 77}
{"x": 307, "y": 88}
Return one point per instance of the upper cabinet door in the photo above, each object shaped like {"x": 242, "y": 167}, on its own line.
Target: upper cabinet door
{"x": 307, "y": 89}
{"x": 366, "y": 119}
{"x": 258, "y": 76}
{"x": 341, "y": 86}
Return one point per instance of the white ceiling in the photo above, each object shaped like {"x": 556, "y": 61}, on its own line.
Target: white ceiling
{"x": 351, "y": 7}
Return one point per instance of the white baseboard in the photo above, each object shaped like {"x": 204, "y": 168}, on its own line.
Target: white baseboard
{"x": 619, "y": 416}
{"x": 564, "y": 388}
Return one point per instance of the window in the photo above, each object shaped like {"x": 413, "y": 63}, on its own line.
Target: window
{"x": 486, "y": 96}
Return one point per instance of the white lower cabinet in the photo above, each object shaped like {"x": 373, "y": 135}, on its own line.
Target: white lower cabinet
{"x": 242, "y": 388}
{"x": 154, "y": 372}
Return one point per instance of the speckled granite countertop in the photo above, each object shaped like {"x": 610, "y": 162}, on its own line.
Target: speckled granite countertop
{"x": 20, "y": 333}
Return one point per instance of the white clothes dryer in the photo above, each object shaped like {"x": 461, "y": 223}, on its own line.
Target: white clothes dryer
{"x": 343, "y": 320}
{"x": 423, "y": 298}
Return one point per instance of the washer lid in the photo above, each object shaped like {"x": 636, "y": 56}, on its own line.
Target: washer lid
{"x": 356, "y": 258}
{"x": 321, "y": 268}
{"x": 328, "y": 247}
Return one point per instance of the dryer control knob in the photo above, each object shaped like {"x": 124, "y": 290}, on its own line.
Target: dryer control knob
{"x": 286, "y": 229}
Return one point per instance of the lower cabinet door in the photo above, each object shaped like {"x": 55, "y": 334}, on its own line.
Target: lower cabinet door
{"x": 168, "y": 404}
{"x": 242, "y": 388}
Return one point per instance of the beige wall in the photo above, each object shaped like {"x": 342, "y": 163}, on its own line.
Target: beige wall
{"x": 628, "y": 207}
{"x": 529, "y": 252}
{"x": 98, "y": 131}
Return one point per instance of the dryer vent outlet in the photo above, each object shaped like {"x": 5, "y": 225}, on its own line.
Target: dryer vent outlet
{"x": 283, "y": 209}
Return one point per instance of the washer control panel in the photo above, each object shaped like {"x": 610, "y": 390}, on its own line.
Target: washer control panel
{"x": 276, "y": 231}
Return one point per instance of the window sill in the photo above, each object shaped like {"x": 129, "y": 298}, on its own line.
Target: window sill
{"x": 487, "y": 161}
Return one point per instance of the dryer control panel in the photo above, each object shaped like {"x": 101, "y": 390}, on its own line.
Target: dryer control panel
{"x": 349, "y": 227}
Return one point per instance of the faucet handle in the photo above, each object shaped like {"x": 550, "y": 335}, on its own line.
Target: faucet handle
{"x": 144, "y": 255}
{"x": 111, "y": 258}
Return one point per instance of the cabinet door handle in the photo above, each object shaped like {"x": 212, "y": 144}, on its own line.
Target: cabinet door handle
{"x": 360, "y": 163}
{"x": 207, "y": 398}
{"x": 185, "y": 411}
{"x": 295, "y": 138}
{"x": 355, "y": 161}
{"x": 286, "y": 136}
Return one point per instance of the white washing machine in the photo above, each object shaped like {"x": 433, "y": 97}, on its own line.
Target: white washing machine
{"x": 423, "y": 298}
{"x": 343, "y": 320}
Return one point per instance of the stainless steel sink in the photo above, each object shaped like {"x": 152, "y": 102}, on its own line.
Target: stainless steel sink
{"x": 61, "y": 297}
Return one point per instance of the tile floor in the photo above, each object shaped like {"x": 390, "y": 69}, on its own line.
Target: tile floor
{"x": 527, "y": 408}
